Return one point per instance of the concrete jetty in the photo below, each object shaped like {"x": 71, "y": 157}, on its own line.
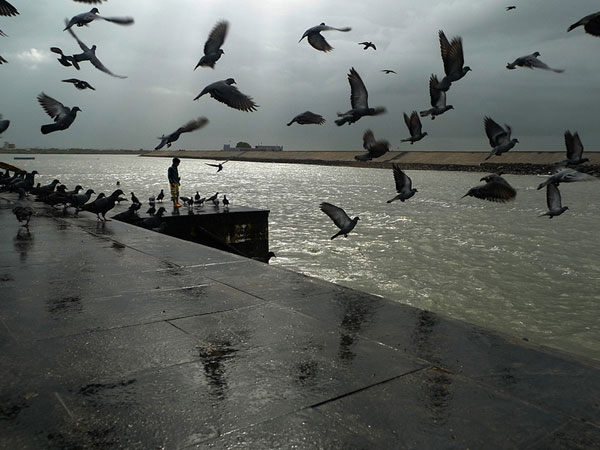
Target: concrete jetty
{"x": 117, "y": 337}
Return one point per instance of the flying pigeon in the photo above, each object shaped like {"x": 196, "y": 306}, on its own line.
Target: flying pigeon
{"x": 574, "y": 149}
{"x": 307, "y": 118}
{"x": 219, "y": 167}
{"x": 495, "y": 189}
{"x": 79, "y": 84}
{"x": 590, "y": 23}
{"x": 499, "y": 138}
{"x": 452, "y": 56}
{"x": 509, "y": 8}
{"x": 212, "y": 46}
{"x": 403, "y": 185}
{"x": 358, "y": 100}
{"x": 567, "y": 176}
{"x": 6, "y": 9}
{"x": 160, "y": 196}
{"x": 438, "y": 100}
{"x": 388, "y": 71}
{"x": 89, "y": 54}
{"x": 65, "y": 60}
{"x": 532, "y": 62}
{"x": 62, "y": 115}
{"x": 4, "y": 123}
{"x": 316, "y": 40}
{"x": 374, "y": 148}
{"x": 91, "y": 2}
{"x": 414, "y": 127}
{"x": 23, "y": 210}
{"x": 88, "y": 17}
{"x": 553, "y": 200}
{"x": 367, "y": 45}
{"x": 192, "y": 125}
{"x": 224, "y": 92}
{"x": 340, "y": 218}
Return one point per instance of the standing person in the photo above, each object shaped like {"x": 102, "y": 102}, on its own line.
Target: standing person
{"x": 174, "y": 180}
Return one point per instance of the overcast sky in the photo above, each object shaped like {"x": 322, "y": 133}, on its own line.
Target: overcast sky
{"x": 158, "y": 54}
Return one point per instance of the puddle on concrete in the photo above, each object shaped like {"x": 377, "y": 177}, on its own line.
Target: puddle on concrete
{"x": 70, "y": 304}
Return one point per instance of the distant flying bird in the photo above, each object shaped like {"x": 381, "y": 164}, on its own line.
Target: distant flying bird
{"x": 590, "y": 23}
{"x": 452, "y": 56}
{"x": 89, "y": 54}
{"x": 91, "y": 2}
{"x": 316, "y": 40}
{"x": 6, "y": 9}
{"x": 219, "y": 167}
{"x": 553, "y": 200}
{"x": 86, "y": 18}
{"x": 496, "y": 189}
{"x": 574, "y": 149}
{"x": 340, "y": 218}
{"x": 509, "y": 8}
{"x": 212, "y": 46}
{"x": 79, "y": 84}
{"x": 403, "y": 185}
{"x": 414, "y": 126}
{"x": 387, "y": 71}
{"x": 374, "y": 148}
{"x": 4, "y": 123}
{"x": 531, "y": 62}
{"x": 192, "y": 125}
{"x": 438, "y": 100}
{"x": 567, "y": 176}
{"x": 358, "y": 100}
{"x": 498, "y": 137}
{"x": 224, "y": 92}
{"x": 367, "y": 45}
{"x": 306, "y": 118}
{"x": 63, "y": 116}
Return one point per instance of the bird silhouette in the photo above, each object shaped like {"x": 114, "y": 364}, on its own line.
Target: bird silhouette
{"x": 212, "y": 46}
{"x": 316, "y": 40}
{"x": 340, "y": 219}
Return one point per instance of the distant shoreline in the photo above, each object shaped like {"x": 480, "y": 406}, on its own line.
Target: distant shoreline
{"x": 520, "y": 162}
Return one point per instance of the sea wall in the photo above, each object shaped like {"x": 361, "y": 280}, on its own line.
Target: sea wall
{"x": 512, "y": 162}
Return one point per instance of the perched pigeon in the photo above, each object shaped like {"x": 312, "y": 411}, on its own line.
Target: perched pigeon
{"x": 192, "y": 125}
{"x": 553, "y": 200}
{"x": 452, "y": 56}
{"x": 160, "y": 196}
{"x": 79, "y": 84}
{"x": 438, "y": 100}
{"x": 74, "y": 191}
{"x": 58, "y": 197}
{"x": 403, "y": 185}
{"x": 590, "y": 23}
{"x": 374, "y": 148}
{"x": 225, "y": 202}
{"x": 78, "y": 200}
{"x": 212, "y": 46}
{"x": 224, "y": 92}
{"x": 23, "y": 210}
{"x": 134, "y": 199}
{"x": 219, "y": 166}
{"x": 388, "y": 71}
{"x": 340, "y": 218}
{"x": 6, "y": 9}
{"x": 187, "y": 201}
{"x": 532, "y": 62}
{"x": 3, "y": 124}
{"x": 23, "y": 180}
{"x": 154, "y": 221}
{"x": 499, "y": 138}
{"x": 574, "y": 149}
{"x": 62, "y": 115}
{"x": 197, "y": 196}
{"x": 307, "y": 118}
{"x": 496, "y": 189}
{"x": 88, "y": 17}
{"x": 414, "y": 127}
{"x": 317, "y": 41}
{"x": 151, "y": 211}
{"x": 152, "y": 200}
{"x": 89, "y": 54}
{"x": 567, "y": 176}
{"x": 367, "y": 45}
{"x": 358, "y": 100}
{"x": 200, "y": 201}
{"x": 102, "y": 205}
{"x": 129, "y": 216}
{"x": 214, "y": 199}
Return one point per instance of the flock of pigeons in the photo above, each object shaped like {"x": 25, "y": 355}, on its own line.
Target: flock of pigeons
{"x": 500, "y": 138}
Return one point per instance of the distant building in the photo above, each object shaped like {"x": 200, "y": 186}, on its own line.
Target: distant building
{"x": 8, "y": 145}
{"x": 264, "y": 148}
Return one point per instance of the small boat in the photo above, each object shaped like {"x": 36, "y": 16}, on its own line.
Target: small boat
{"x": 24, "y": 157}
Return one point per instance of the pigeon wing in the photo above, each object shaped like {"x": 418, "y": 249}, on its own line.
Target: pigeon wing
{"x": 403, "y": 181}
{"x": 456, "y": 59}
{"x": 335, "y": 213}
{"x": 328, "y": 28}
{"x": 317, "y": 41}
{"x": 438, "y": 98}
{"x": 117, "y": 20}
{"x": 82, "y": 46}
{"x": 358, "y": 92}
{"x": 415, "y": 126}
{"x": 53, "y": 108}
{"x": 98, "y": 65}
{"x": 216, "y": 38}
{"x": 6, "y": 9}
{"x": 231, "y": 96}
{"x": 192, "y": 125}
{"x": 495, "y": 133}
{"x": 368, "y": 139}
{"x": 553, "y": 199}
{"x": 445, "y": 51}
{"x": 574, "y": 145}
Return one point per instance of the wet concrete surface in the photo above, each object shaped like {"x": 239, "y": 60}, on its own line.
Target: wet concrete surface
{"x": 115, "y": 337}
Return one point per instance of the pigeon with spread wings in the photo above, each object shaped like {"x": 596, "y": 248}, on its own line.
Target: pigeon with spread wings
{"x": 86, "y": 18}
{"x": 340, "y": 218}
{"x": 212, "y": 46}
{"x": 6, "y": 9}
{"x": 495, "y": 189}
{"x": 224, "y": 92}
{"x": 554, "y": 202}
{"x": 438, "y": 100}
{"x": 358, "y": 100}
{"x": 316, "y": 40}
{"x": 414, "y": 126}
{"x": 574, "y": 149}
{"x": 590, "y": 23}
{"x": 192, "y": 125}
{"x": 452, "y": 56}
{"x": 498, "y": 137}
{"x": 531, "y": 62}
{"x": 374, "y": 148}
{"x": 63, "y": 116}
{"x": 403, "y": 185}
